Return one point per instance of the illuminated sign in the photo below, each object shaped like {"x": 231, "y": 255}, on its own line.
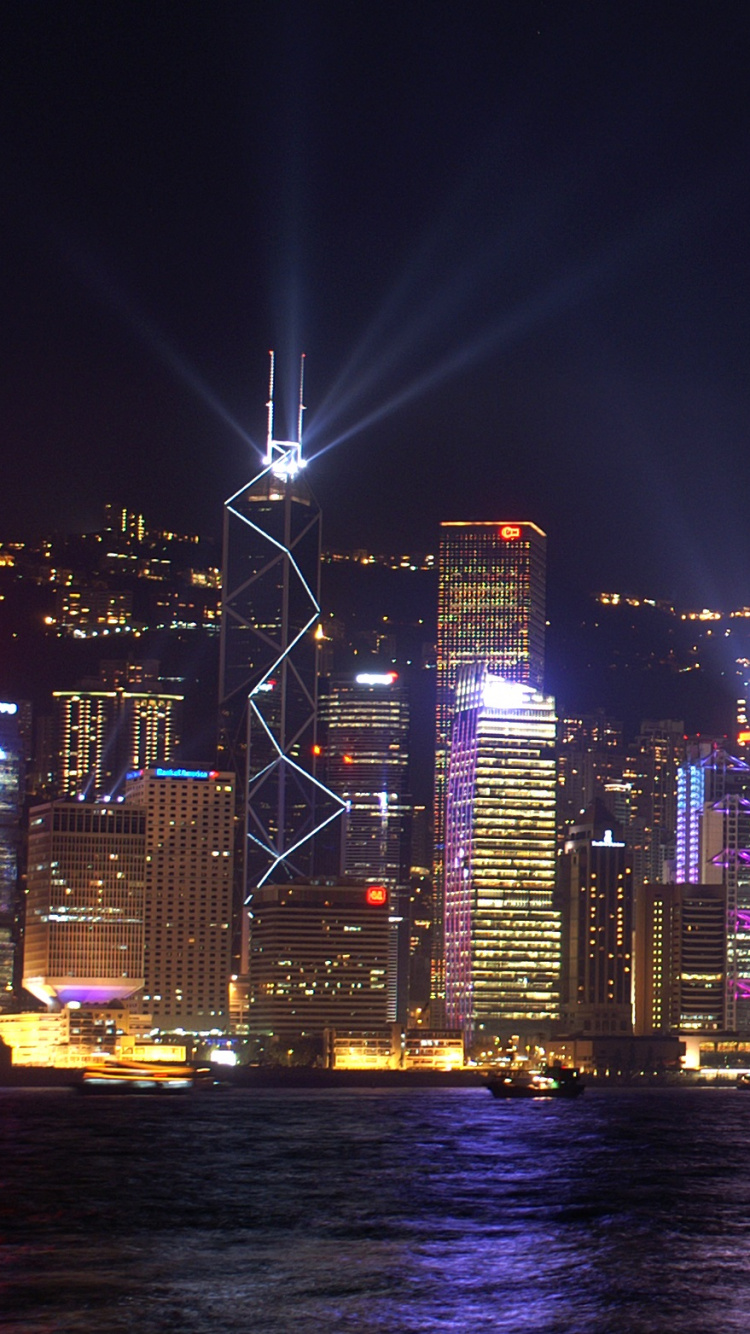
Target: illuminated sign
{"x": 376, "y": 895}
{"x": 606, "y": 842}
{"x": 376, "y": 678}
{"x": 8, "y": 708}
{"x": 186, "y": 773}
{"x": 509, "y": 531}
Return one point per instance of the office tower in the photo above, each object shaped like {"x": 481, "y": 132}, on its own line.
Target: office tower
{"x": 679, "y": 948}
{"x": 319, "y": 958}
{"x": 101, "y": 734}
{"x": 365, "y": 730}
{"x": 268, "y": 667}
{"x": 189, "y": 816}
{"x": 596, "y": 903}
{"x": 491, "y": 608}
{"x": 589, "y": 756}
{"x": 11, "y": 803}
{"x": 502, "y": 929}
{"x": 713, "y": 848}
{"x": 83, "y": 939}
{"x": 651, "y": 769}
{"x": 365, "y": 734}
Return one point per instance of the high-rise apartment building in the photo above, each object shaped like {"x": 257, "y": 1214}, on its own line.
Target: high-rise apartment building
{"x": 596, "y": 902}
{"x": 189, "y": 844}
{"x": 491, "y": 608}
{"x": 319, "y": 958}
{"x": 83, "y": 938}
{"x": 502, "y": 928}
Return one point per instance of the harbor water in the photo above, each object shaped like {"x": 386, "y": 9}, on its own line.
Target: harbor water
{"x": 303, "y": 1212}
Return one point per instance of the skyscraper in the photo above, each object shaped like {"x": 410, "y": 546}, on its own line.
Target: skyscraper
{"x": 502, "y": 929}
{"x": 189, "y": 843}
{"x": 268, "y": 668}
{"x": 365, "y": 730}
{"x": 491, "y": 608}
{"x": 83, "y": 939}
{"x": 11, "y": 803}
{"x": 101, "y": 734}
{"x": 596, "y": 903}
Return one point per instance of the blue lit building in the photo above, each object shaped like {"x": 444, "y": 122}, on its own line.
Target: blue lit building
{"x": 11, "y": 803}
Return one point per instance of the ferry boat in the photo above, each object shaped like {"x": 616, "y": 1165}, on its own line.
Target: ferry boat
{"x": 552, "y": 1081}
{"x": 130, "y": 1076}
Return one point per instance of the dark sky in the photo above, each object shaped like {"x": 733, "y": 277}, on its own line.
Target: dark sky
{"x": 512, "y": 239}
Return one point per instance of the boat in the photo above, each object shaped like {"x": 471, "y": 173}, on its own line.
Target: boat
{"x": 552, "y": 1081}
{"x": 743, "y": 1081}
{"x": 130, "y": 1076}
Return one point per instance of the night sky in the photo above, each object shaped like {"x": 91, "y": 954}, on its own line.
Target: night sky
{"x": 512, "y": 239}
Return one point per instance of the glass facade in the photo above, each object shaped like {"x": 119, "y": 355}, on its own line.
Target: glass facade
{"x": 502, "y": 929}
{"x": 268, "y": 680}
{"x": 491, "y": 607}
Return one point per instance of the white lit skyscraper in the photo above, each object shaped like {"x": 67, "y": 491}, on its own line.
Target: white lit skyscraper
{"x": 268, "y": 669}
{"x": 502, "y": 929}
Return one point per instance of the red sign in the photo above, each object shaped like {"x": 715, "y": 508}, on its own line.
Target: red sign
{"x": 376, "y": 895}
{"x": 509, "y": 531}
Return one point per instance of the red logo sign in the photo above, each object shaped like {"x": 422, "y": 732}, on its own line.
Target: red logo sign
{"x": 376, "y": 895}
{"x": 509, "y": 531}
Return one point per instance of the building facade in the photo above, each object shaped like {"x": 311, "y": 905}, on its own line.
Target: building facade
{"x": 102, "y": 734}
{"x": 491, "y": 607}
{"x": 189, "y": 844}
{"x": 319, "y": 958}
{"x": 596, "y": 903}
{"x": 268, "y": 674}
{"x": 11, "y": 805}
{"x": 502, "y": 927}
{"x": 85, "y": 901}
{"x": 680, "y": 958}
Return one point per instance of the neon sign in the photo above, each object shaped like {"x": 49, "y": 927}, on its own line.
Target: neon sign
{"x": 8, "y": 708}
{"x": 376, "y": 895}
{"x": 509, "y": 531}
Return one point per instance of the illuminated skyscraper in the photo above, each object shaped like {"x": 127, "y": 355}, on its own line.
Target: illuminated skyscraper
{"x": 502, "y": 929}
{"x": 491, "y": 608}
{"x": 713, "y": 848}
{"x": 596, "y": 902}
{"x": 11, "y": 803}
{"x": 365, "y": 729}
{"x": 189, "y": 844}
{"x": 101, "y": 734}
{"x": 268, "y": 667}
{"x": 83, "y": 939}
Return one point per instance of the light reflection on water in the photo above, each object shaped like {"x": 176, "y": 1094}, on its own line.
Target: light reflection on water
{"x": 374, "y": 1211}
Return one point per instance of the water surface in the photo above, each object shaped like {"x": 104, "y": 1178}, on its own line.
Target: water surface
{"x": 305, "y": 1212}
